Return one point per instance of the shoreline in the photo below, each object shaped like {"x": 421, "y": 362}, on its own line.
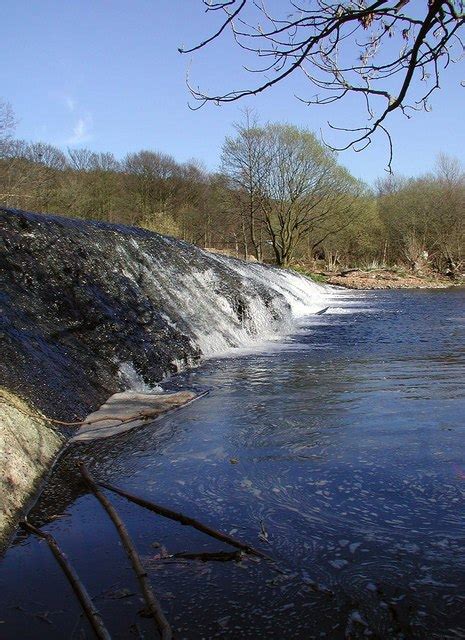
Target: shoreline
{"x": 382, "y": 279}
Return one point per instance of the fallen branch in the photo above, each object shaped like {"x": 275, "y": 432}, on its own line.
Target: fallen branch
{"x": 152, "y": 603}
{"x": 207, "y": 556}
{"x": 346, "y": 272}
{"x": 79, "y": 589}
{"x": 185, "y": 520}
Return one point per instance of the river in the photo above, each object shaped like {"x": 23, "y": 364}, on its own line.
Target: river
{"x": 337, "y": 450}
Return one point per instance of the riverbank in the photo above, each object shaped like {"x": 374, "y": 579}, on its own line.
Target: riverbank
{"x": 28, "y": 446}
{"x": 385, "y": 279}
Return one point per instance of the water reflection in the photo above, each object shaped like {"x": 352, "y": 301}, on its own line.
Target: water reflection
{"x": 338, "y": 452}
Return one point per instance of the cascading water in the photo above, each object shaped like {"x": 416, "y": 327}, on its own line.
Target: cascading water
{"x": 83, "y": 302}
{"x": 231, "y": 303}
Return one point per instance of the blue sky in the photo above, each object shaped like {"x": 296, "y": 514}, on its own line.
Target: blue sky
{"x": 107, "y": 75}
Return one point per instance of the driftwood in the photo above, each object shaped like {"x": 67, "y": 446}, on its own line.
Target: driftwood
{"x": 185, "y": 520}
{"x": 87, "y": 605}
{"x": 152, "y": 603}
{"x": 330, "y": 274}
{"x": 347, "y": 271}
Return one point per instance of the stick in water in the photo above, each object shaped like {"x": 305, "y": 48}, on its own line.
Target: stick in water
{"x": 79, "y": 589}
{"x": 183, "y": 519}
{"x": 149, "y": 597}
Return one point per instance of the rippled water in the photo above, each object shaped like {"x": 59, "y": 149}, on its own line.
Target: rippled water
{"x": 339, "y": 452}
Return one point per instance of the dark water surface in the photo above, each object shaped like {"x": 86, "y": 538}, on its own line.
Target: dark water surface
{"x": 339, "y": 452}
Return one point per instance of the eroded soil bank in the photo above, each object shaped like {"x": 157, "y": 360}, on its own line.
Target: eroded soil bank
{"x": 28, "y": 445}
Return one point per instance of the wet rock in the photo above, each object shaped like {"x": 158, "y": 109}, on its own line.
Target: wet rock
{"x": 81, "y": 298}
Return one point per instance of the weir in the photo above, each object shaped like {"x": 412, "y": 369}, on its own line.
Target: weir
{"x": 91, "y": 309}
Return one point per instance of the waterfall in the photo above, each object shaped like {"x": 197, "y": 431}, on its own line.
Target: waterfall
{"x": 228, "y": 303}
{"x": 85, "y": 303}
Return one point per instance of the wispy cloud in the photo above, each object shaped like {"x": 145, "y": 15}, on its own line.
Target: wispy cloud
{"x": 70, "y": 103}
{"x": 81, "y": 131}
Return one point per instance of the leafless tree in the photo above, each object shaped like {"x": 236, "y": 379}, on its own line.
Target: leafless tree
{"x": 294, "y": 185}
{"x": 245, "y": 162}
{"x": 46, "y": 155}
{"x": 7, "y": 123}
{"x": 388, "y": 53}
{"x": 83, "y": 159}
{"x": 80, "y": 159}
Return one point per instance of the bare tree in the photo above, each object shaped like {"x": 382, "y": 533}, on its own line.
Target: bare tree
{"x": 7, "y": 123}
{"x": 245, "y": 162}
{"x": 80, "y": 159}
{"x": 388, "y": 53}
{"x": 294, "y": 185}
{"x": 86, "y": 160}
{"x": 46, "y": 155}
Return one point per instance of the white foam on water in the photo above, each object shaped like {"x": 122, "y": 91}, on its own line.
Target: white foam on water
{"x": 133, "y": 381}
{"x": 226, "y": 306}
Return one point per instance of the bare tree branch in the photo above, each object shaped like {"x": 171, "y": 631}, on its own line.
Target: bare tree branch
{"x": 396, "y": 65}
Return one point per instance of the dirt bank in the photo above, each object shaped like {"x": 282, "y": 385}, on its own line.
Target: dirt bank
{"x": 388, "y": 279}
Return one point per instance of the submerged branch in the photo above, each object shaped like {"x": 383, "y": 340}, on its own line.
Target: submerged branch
{"x": 79, "y": 589}
{"x": 183, "y": 519}
{"x": 152, "y": 603}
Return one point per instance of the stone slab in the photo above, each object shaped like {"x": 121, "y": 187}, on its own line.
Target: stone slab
{"x": 130, "y": 409}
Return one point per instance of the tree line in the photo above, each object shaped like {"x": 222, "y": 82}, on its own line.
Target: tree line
{"x": 280, "y": 196}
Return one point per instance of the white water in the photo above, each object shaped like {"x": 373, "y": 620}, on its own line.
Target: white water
{"x": 208, "y": 311}
{"x": 134, "y": 382}
{"x": 221, "y": 304}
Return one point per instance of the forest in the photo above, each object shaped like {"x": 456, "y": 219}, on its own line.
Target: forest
{"x": 279, "y": 196}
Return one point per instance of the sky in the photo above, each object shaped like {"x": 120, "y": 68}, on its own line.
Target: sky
{"x": 107, "y": 75}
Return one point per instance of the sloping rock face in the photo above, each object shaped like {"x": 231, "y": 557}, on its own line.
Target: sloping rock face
{"x": 71, "y": 312}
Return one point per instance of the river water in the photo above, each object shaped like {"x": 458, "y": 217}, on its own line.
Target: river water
{"x": 338, "y": 451}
